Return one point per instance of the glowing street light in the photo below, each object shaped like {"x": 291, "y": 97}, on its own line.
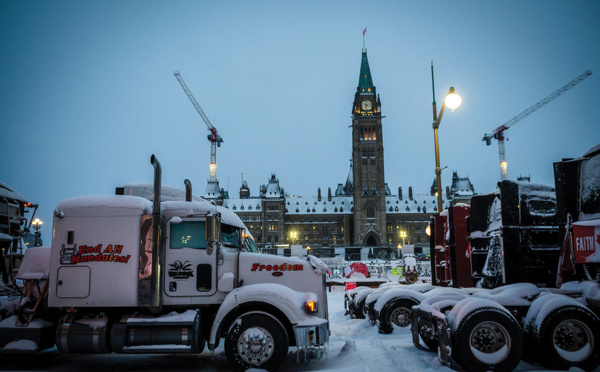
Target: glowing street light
{"x": 403, "y": 236}
{"x": 293, "y": 236}
{"x": 37, "y": 225}
{"x": 452, "y": 100}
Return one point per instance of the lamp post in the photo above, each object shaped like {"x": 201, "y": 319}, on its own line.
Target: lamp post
{"x": 452, "y": 100}
{"x": 293, "y": 236}
{"x": 37, "y": 225}
{"x": 403, "y": 236}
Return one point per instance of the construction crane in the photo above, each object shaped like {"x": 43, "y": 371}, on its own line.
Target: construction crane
{"x": 214, "y": 137}
{"x": 498, "y": 133}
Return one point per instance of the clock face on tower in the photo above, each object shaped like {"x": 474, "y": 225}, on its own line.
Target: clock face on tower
{"x": 367, "y": 105}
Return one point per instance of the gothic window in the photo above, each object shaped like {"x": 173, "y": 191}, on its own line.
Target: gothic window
{"x": 370, "y": 210}
{"x": 341, "y": 209}
{"x": 297, "y": 210}
{"x": 397, "y": 209}
{"x": 234, "y": 207}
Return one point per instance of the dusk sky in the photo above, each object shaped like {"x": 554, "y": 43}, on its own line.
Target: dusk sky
{"x": 88, "y": 93}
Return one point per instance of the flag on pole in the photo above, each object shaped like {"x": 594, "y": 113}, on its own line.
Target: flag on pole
{"x": 364, "y": 32}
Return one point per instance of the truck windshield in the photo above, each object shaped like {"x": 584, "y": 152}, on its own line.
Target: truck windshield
{"x": 188, "y": 234}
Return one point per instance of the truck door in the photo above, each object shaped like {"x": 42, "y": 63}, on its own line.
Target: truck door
{"x": 190, "y": 268}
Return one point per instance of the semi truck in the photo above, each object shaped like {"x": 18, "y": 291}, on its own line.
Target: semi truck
{"x": 13, "y": 227}
{"x": 538, "y": 248}
{"x": 126, "y": 274}
{"x": 525, "y": 264}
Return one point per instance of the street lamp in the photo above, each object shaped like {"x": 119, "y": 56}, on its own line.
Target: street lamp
{"x": 37, "y": 225}
{"x": 293, "y": 235}
{"x": 403, "y": 236}
{"x": 452, "y": 100}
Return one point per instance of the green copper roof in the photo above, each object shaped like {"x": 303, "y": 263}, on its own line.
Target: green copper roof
{"x": 365, "y": 83}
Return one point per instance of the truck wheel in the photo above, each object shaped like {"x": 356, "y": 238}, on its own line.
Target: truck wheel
{"x": 357, "y": 311}
{"x": 396, "y": 314}
{"x": 487, "y": 339}
{"x": 568, "y": 337}
{"x": 256, "y": 341}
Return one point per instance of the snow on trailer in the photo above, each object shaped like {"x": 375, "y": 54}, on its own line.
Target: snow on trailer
{"x": 515, "y": 253}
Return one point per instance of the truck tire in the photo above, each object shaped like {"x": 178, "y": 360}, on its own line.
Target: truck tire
{"x": 396, "y": 314}
{"x": 487, "y": 339}
{"x": 357, "y": 311}
{"x": 569, "y": 336}
{"x": 256, "y": 341}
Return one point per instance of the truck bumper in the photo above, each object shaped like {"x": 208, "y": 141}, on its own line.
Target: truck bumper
{"x": 311, "y": 335}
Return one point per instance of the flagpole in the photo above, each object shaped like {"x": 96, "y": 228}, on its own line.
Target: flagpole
{"x": 364, "y": 32}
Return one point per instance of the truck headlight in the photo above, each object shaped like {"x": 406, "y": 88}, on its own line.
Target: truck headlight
{"x": 311, "y": 306}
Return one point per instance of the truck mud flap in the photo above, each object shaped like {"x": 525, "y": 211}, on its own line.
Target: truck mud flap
{"x": 416, "y": 316}
{"x": 445, "y": 348}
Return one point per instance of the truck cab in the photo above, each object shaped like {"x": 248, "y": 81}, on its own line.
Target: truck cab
{"x": 130, "y": 274}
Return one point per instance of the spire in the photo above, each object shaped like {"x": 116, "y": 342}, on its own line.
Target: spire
{"x": 349, "y": 187}
{"x": 365, "y": 83}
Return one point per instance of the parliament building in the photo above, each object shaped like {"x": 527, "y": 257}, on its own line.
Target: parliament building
{"x": 360, "y": 219}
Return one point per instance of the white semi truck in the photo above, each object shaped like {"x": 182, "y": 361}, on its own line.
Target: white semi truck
{"x": 129, "y": 275}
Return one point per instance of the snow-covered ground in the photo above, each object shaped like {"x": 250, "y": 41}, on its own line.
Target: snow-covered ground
{"x": 354, "y": 345}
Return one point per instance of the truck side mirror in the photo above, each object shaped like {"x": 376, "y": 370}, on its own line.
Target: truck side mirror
{"x": 213, "y": 231}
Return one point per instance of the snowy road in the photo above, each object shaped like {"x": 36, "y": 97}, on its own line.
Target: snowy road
{"x": 371, "y": 352}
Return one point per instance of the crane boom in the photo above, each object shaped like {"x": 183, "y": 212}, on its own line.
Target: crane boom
{"x": 498, "y": 133}
{"x": 214, "y": 137}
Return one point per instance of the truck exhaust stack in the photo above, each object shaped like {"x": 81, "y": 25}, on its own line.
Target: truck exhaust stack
{"x": 155, "y": 297}
{"x": 188, "y": 190}
{"x": 157, "y": 183}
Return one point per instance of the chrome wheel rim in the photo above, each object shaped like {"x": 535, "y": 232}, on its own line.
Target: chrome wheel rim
{"x": 401, "y": 317}
{"x": 573, "y": 340}
{"x": 490, "y": 342}
{"x": 255, "y": 346}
